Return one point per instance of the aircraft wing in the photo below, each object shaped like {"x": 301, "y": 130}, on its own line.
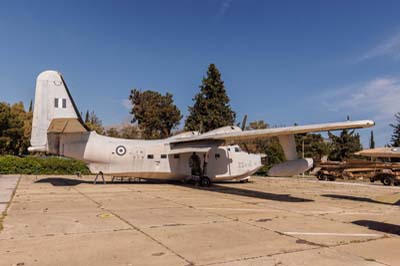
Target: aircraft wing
{"x": 236, "y": 134}
{"x": 386, "y": 152}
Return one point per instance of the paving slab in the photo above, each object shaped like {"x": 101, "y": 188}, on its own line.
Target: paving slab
{"x": 103, "y": 248}
{"x": 7, "y": 186}
{"x": 384, "y": 251}
{"x": 56, "y": 220}
{"x": 320, "y": 257}
{"x": 217, "y": 242}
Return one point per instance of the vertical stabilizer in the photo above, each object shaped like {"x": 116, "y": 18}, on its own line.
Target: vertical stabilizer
{"x": 52, "y": 101}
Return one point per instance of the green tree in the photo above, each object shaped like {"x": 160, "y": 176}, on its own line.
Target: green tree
{"x": 87, "y": 116}
{"x": 314, "y": 146}
{"x": 268, "y": 146}
{"x": 130, "y": 132}
{"x": 156, "y": 114}
{"x": 15, "y": 127}
{"x": 211, "y": 107}
{"x": 344, "y": 145}
{"x": 93, "y": 122}
{"x": 372, "y": 140}
{"x": 395, "y": 141}
{"x": 112, "y": 132}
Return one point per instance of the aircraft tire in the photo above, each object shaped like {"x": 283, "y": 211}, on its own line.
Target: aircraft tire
{"x": 205, "y": 181}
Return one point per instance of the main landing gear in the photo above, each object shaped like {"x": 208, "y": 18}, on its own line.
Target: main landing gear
{"x": 100, "y": 174}
{"x": 205, "y": 181}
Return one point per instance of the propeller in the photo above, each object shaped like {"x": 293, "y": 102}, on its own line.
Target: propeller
{"x": 244, "y": 122}
{"x": 243, "y": 129}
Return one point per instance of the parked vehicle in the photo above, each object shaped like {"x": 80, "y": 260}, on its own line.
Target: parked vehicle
{"x": 386, "y": 172}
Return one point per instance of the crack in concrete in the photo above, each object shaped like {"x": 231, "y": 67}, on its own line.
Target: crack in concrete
{"x": 137, "y": 228}
{"x": 318, "y": 246}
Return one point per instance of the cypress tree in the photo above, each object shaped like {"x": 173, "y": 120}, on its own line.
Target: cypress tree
{"x": 372, "y": 140}
{"x": 87, "y": 117}
{"x": 211, "y": 107}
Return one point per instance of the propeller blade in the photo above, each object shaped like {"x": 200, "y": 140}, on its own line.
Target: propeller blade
{"x": 244, "y": 122}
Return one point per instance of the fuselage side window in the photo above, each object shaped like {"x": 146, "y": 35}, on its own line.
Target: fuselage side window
{"x": 150, "y": 156}
{"x": 163, "y": 156}
{"x": 217, "y": 155}
{"x": 176, "y": 156}
{"x": 237, "y": 149}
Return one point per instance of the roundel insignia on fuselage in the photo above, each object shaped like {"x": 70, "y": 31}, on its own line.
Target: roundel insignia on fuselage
{"x": 120, "y": 150}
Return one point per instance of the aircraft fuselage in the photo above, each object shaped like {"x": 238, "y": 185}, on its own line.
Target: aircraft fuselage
{"x": 152, "y": 159}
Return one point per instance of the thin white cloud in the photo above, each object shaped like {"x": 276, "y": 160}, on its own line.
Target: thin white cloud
{"x": 376, "y": 99}
{"x": 126, "y": 104}
{"x": 389, "y": 47}
{"x": 224, "y": 7}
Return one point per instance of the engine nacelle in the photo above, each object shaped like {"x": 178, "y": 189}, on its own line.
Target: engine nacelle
{"x": 291, "y": 168}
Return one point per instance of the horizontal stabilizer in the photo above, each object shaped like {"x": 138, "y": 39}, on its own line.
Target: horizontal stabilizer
{"x": 66, "y": 125}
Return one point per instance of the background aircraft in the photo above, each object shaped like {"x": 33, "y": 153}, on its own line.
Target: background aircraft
{"x": 57, "y": 128}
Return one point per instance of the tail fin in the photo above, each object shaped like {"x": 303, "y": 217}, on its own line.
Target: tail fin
{"x": 54, "y": 110}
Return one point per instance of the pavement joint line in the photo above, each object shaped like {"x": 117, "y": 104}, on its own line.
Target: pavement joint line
{"x": 66, "y": 234}
{"x": 137, "y": 228}
{"x": 261, "y": 256}
{"x": 330, "y": 234}
{"x": 3, "y": 214}
{"x": 332, "y": 247}
{"x": 278, "y": 232}
{"x": 240, "y": 221}
{"x": 359, "y": 256}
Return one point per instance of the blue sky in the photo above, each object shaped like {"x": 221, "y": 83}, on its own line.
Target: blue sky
{"x": 282, "y": 61}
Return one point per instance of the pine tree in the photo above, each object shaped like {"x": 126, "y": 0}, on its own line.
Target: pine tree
{"x": 211, "y": 107}
{"x": 343, "y": 146}
{"x": 395, "y": 141}
{"x": 372, "y": 140}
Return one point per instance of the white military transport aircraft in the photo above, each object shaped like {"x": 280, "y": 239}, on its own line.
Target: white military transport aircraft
{"x": 58, "y": 129}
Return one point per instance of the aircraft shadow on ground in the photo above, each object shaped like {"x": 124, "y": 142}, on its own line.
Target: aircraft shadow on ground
{"x": 253, "y": 193}
{"x": 362, "y": 199}
{"x": 65, "y": 182}
{"x": 61, "y": 181}
{"x": 379, "y": 226}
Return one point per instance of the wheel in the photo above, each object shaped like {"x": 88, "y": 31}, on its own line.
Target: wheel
{"x": 205, "y": 181}
{"x": 387, "y": 180}
{"x": 331, "y": 178}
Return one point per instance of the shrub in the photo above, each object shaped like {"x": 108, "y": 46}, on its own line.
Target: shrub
{"x": 41, "y": 165}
